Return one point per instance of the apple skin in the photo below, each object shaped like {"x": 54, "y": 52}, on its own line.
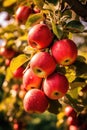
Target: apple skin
{"x": 22, "y": 14}
{"x": 73, "y": 127}
{"x": 42, "y": 64}
{"x": 30, "y": 80}
{"x": 64, "y": 51}
{"x": 18, "y": 73}
{"x": 35, "y": 101}
{"x": 71, "y": 121}
{"x": 55, "y": 86}
{"x": 40, "y": 36}
{"x": 69, "y": 111}
{"x": 7, "y": 53}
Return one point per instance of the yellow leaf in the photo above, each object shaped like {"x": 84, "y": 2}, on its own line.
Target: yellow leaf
{"x": 18, "y": 61}
{"x": 7, "y": 3}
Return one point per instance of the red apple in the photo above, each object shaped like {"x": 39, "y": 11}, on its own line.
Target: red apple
{"x": 55, "y": 86}
{"x": 30, "y": 80}
{"x": 35, "y": 101}
{"x": 15, "y": 87}
{"x": 43, "y": 64}
{"x": 73, "y": 127}
{"x": 71, "y": 121}
{"x": 69, "y": 111}
{"x": 64, "y": 51}
{"x": 18, "y": 73}
{"x": 40, "y": 36}
{"x": 7, "y": 52}
{"x": 7, "y": 62}
{"x": 21, "y": 94}
{"x": 22, "y": 14}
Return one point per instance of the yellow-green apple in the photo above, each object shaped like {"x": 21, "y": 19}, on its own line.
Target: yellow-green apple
{"x": 22, "y": 14}
{"x": 18, "y": 73}
{"x": 64, "y": 51}
{"x": 55, "y": 86}
{"x": 35, "y": 101}
{"x": 42, "y": 64}
{"x": 30, "y": 80}
{"x": 40, "y": 36}
{"x": 7, "y": 53}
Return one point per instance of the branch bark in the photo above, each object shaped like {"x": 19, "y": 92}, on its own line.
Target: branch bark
{"x": 78, "y": 7}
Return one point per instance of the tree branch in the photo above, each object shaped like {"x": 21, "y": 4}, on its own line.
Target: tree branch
{"x": 78, "y": 7}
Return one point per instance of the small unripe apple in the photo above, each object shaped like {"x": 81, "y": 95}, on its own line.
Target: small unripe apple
{"x": 40, "y": 36}
{"x": 7, "y": 52}
{"x": 22, "y": 14}
{"x": 35, "y": 101}
{"x": 64, "y": 51}
{"x": 30, "y": 80}
{"x": 18, "y": 73}
{"x": 55, "y": 86}
{"x": 43, "y": 64}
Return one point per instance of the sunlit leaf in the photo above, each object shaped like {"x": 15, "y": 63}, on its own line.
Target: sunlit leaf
{"x": 56, "y": 30}
{"x": 34, "y": 19}
{"x": 39, "y": 3}
{"x": 7, "y": 3}
{"x": 74, "y": 26}
{"x": 74, "y": 103}
{"x": 74, "y": 92}
{"x": 9, "y": 74}
{"x": 18, "y": 61}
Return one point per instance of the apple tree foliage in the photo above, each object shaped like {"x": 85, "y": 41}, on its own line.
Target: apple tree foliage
{"x": 66, "y": 19}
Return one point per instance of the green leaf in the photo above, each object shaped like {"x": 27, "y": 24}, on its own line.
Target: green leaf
{"x": 18, "y": 61}
{"x": 54, "y": 105}
{"x": 34, "y": 19}
{"x": 57, "y": 30}
{"x": 74, "y": 92}
{"x": 74, "y": 103}
{"x": 2, "y": 77}
{"x": 53, "y": 1}
{"x": 7, "y": 3}
{"x": 74, "y": 26}
{"x": 39, "y": 3}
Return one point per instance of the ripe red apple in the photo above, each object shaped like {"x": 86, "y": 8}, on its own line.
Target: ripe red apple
{"x": 35, "y": 101}
{"x": 71, "y": 121}
{"x": 69, "y": 111}
{"x": 7, "y": 52}
{"x": 64, "y": 51}
{"x": 18, "y": 73}
{"x": 73, "y": 127}
{"x": 43, "y": 64}
{"x": 7, "y": 62}
{"x": 40, "y": 36}
{"x": 30, "y": 80}
{"x": 55, "y": 86}
{"x": 22, "y": 13}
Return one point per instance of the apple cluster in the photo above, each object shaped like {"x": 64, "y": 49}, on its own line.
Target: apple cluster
{"x": 74, "y": 121}
{"x": 41, "y": 80}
